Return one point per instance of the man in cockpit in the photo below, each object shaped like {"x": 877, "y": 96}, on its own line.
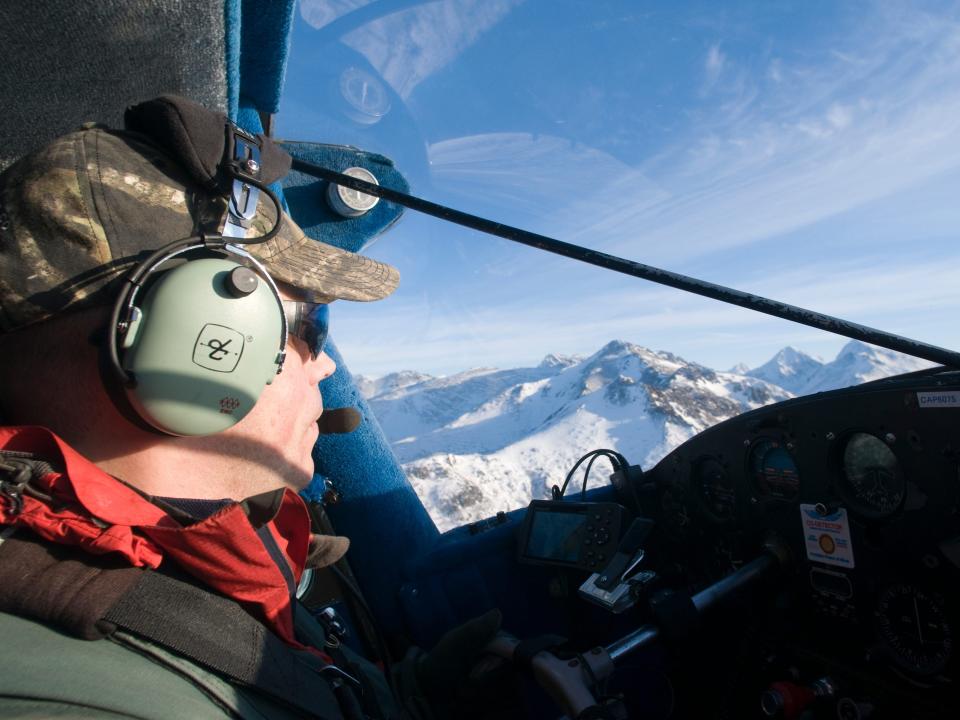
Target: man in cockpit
{"x": 152, "y": 543}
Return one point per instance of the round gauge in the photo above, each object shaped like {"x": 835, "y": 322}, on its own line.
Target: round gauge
{"x": 366, "y": 96}
{"x": 873, "y": 483}
{"x": 775, "y": 475}
{"x": 716, "y": 487}
{"x": 914, "y": 629}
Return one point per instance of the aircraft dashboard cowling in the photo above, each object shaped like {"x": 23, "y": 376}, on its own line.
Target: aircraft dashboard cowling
{"x": 863, "y": 486}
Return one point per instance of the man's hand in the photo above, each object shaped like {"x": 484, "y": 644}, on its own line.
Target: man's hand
{"x": 442, "y": 670}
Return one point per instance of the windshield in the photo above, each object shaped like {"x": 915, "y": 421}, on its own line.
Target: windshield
{"x": 807, "y": 153}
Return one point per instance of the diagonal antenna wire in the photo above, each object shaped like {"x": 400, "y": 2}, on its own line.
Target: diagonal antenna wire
{"x": 776, "y": 308}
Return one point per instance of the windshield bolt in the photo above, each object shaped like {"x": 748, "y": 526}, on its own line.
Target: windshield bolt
{"x": 350, "y": 203}
{"x": 253, "y": 167}
{"x": 746, "y": 443}
{"x": 830, "y": 436}
{"x": 890, "y": 438}
{"x": 790, "y": 446}
{"x": 754, "y": 501}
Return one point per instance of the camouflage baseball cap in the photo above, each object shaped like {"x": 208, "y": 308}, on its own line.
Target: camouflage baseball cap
{"x": 78, "y": 214}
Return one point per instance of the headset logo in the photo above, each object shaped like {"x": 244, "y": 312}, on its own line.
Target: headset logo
{"x": 218, "y": 348}
{"x": 228, "y": 405}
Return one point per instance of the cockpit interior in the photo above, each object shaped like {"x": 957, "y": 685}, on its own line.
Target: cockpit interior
{"x": 798, "y": 560}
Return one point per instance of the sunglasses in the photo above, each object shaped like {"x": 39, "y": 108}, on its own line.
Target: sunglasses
{"x": 310, "y": 322}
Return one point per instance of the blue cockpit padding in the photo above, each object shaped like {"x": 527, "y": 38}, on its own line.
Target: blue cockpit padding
{"x": 248, "y": 118}
{"x": 265, "y": 34}
{"x": 232, "y": 42}
{"x": 307, "y": 196}
{"x": 257, "y": 43}
{"x": 379, "y": 511}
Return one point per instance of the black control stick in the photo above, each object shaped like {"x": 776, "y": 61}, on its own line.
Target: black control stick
{"x": 569, "y": 683}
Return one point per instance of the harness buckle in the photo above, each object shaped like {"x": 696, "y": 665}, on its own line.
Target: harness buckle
{"x": 341, "y": 674}
{"x": 15, "y": 477}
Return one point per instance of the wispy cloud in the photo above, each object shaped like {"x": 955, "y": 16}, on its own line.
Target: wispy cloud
{"x": 774, "y": 71}
{"x": 318, "y": 13}
{"x": 409, "y": 46}
{"x": 523, "y": 172}
{"x": 713, "y": 66}
{"x": 768, "y": 159}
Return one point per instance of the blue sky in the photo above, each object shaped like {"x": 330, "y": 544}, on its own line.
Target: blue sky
{"x": 808, "y": 152}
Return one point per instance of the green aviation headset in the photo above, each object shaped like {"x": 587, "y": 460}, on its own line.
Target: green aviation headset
{"x": 195, "y": 355}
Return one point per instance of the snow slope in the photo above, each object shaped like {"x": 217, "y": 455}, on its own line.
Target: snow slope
{"x": 486, "y": 440}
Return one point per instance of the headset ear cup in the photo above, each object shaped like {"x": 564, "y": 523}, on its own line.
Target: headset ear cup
{"x": 201, "y": 355}
{"x": 113, "y": 385}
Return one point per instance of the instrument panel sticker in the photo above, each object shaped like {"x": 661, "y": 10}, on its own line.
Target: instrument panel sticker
{"x": 941, "y": 399}
{"x": 827, "y": 537}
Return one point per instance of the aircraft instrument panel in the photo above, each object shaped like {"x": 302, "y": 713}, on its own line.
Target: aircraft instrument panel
{"x": 863, "y": 487}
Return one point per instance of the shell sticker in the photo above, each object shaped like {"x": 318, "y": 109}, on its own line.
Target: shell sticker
{"x": 827, "y": 537}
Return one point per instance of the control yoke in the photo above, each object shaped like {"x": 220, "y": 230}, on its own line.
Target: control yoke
{"x": 569, "y": 683}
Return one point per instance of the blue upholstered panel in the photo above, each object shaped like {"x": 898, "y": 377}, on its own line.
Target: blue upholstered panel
{"x": 265, "y": 36}
{"x": 257, "y": 44}
{"x": 232, "y": 39}
{"x": 306, "y": 195}
{"x": 381, "y": 514}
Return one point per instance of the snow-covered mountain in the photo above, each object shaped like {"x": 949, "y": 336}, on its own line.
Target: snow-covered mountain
{"x": 486, "y": 440}
{"x": 388, "y": 383}
{"x": 858, "y": 363}
{"x": 791, "y": 369}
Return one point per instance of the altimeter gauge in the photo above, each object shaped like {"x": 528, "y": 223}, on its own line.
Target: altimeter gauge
{"x": 873, "y": 483}
{"x": 913, "y": 627}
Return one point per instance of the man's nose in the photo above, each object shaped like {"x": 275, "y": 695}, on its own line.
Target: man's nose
{"x": 322, "y": 367}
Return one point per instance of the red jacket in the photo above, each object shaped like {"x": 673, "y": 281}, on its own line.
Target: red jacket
{"x": 84, "y": 506}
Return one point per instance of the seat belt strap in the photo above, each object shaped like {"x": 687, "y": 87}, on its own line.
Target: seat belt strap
{"x": 219, "y": 635}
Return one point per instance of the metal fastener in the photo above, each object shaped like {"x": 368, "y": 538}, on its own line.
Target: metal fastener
{"x": 830, "y": 436}
{"x": 890, "y": 438}
{"x": 253, "y": 167}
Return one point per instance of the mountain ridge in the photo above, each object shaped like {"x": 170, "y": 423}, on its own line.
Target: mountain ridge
{"x": 487, "y": 439}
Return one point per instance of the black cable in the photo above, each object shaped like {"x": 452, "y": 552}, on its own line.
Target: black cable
{"x": 559, "y": 493}
{"x": 750, "y": 301}
{"x": 618, "y": 461}
{"x": 276, "y": 204}
{"x": 586, "y": 475}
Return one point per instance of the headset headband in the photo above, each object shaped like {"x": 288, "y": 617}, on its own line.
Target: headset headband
{"x": 245, "y": 170}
